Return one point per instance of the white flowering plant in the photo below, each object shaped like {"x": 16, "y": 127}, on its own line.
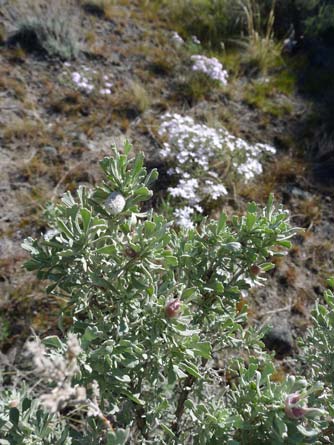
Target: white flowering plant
{"x": 205, "y": 160}
{"x": 86, "y": 80}
{"x": 204, "y": 75}
{"x": 154, "y": 310}
{"x": 211, "y": 67}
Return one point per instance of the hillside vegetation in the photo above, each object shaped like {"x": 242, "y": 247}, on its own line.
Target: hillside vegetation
{"x": 166, "y": 229}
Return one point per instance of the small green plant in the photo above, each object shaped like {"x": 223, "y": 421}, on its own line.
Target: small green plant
{"x": 262, "y": 94}
{"x": 45, "y": 28}
{"x": 195, "y": 87}
{"x": 152, "y": 306}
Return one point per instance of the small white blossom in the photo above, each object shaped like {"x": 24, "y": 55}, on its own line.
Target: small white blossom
{"x": 105, "y": 91}
{"x": 177, "y": 39}
{"x": 186, "y": 189}
{"x": 86, "y": 80}
{"x": 195, "y": 40}
{"x": 49, "y": 234}
{"x": 215, "y": 191}
{"x": 183, "y": 217}
{"x": 76, "y": 77}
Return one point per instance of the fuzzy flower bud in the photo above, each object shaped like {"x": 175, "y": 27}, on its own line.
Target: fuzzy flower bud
{"x": 172, "y": 308}
{"x": 254, "y": 270}
{"x": 115, "y": 203}
{"x": 292, "y": 410}
{"x": 13, "y": 403}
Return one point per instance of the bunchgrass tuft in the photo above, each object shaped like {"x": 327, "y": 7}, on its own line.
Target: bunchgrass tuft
{"x": 45, "y": 28}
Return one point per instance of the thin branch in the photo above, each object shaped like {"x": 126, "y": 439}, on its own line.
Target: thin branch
{"x": 186, "y": 390}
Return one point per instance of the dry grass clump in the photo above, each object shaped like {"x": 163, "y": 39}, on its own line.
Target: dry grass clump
{"x": 45, "y": 27}
{"x": 140, "y": 96}
{"x": 25, "y": 307}
{"x": 284, "y": 169}
{"x": 2, "y": 34}
{"x": 23, "y": 129}
{"x": 309, "y": 212}
{"x": 194, "y": 87}
{"x": 71, "y": 103}
{"x": 261, "y": 50}
{"x": 132, "y": 100}
{"x": 12, "y": 86}
{"x": 264, "y": 95}
{"x": 162, "y": 61}
{"x": 36, "y": 168}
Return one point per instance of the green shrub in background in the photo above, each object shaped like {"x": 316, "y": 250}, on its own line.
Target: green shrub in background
{"x": 212, "y": 22}
{"x": 321, "y": 23}
{"x": 218, "y": 23}
{"x": 261, "y": 51}
{"x": 311, "y": 18}
{"x": 221, "y": 24}
{"x": 153, "y": 307}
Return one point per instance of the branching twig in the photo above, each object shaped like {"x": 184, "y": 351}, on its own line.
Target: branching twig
{"x": 186, "y": 390}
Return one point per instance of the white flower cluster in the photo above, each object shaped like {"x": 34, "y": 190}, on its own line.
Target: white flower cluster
{"x": 194, "y": 149}
{"x": 211, "y": 67}
{"x": 88, "y": 80}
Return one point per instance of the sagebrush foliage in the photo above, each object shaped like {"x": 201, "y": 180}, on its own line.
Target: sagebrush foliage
{"x": 153, "y": 307}
{"x": 45, "y": 28}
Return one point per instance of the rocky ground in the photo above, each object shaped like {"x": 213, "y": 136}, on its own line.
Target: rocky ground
{"x": 52, "y": 137}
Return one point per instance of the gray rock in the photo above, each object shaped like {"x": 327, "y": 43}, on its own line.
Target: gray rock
{"x": 50, "y": 153}
{"x": 279, "y": 338}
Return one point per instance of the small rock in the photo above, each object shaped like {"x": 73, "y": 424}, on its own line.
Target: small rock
{"x": 299, "y": 193}
{"x": 83, "y": 138}
{"x": 50, "y": 153}
{"x": 279, "y": 339}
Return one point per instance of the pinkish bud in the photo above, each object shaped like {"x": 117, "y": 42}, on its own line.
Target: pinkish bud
{"x": 293, "y": 410}
{"x": 254, "y": 270}
{"x": 172, "y": 308}
{"x": 13, "y": 403}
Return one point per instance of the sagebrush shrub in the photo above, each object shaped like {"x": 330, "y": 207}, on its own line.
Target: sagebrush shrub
{"x": 153, "y": 308}
{"x": 52, "y": 28}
